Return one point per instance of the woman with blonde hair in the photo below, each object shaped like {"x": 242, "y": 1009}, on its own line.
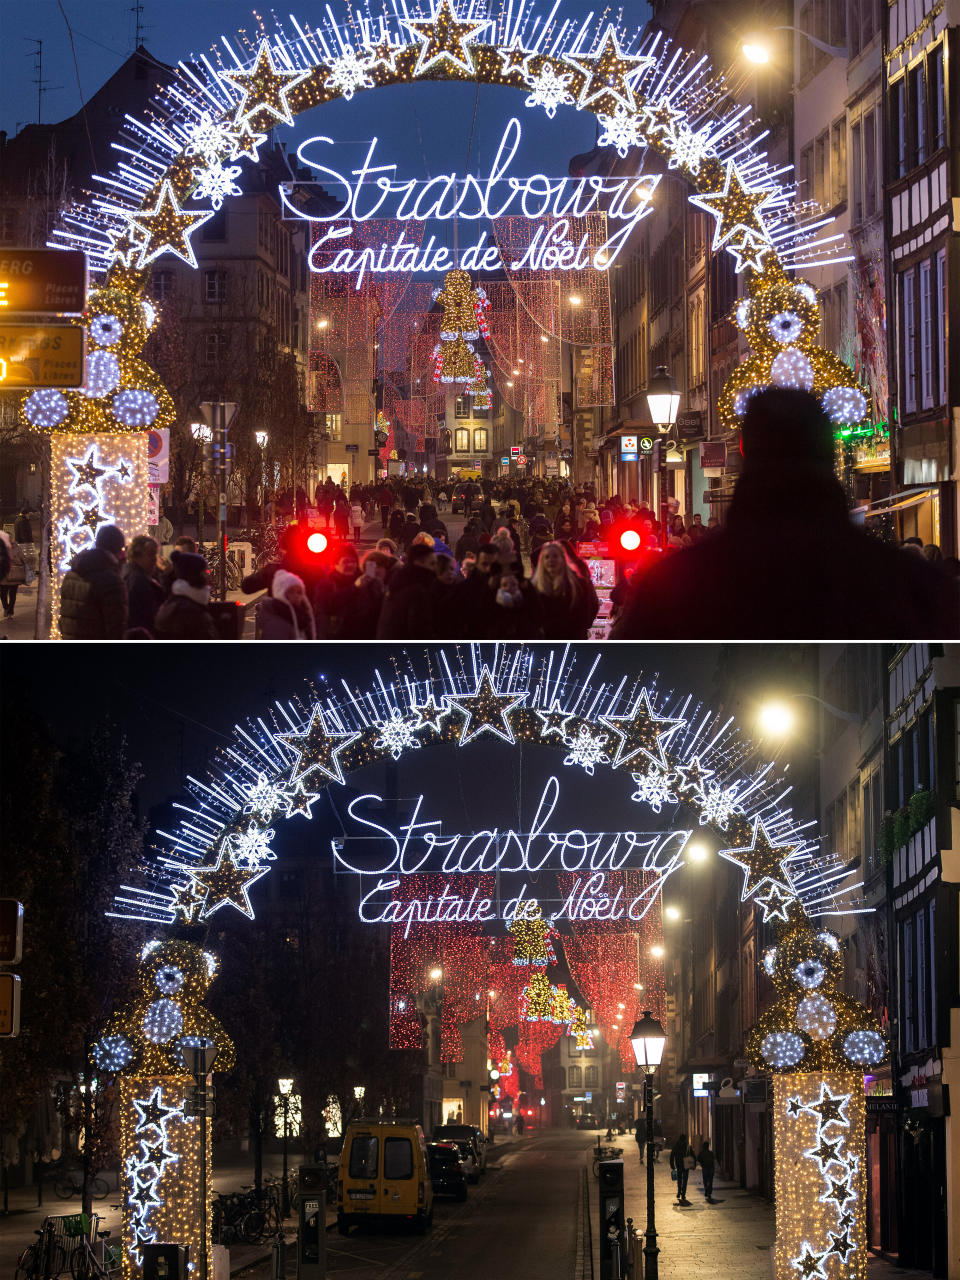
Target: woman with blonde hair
{"x": 566, "y": 600}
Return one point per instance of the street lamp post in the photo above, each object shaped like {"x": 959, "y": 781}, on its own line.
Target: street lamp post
{"x": 285, "y": 1085}
{"x": 663, "y": 401}
{"x": 261, "y": 438}
{"x": 203, "y": 435}
{"x": 648, "y": 1041}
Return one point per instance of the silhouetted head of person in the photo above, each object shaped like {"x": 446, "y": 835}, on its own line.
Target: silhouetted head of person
{"x": 788, "y": 471}
{"x": 785, "y": 430}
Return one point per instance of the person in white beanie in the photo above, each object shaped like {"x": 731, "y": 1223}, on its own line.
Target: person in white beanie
{"x": 286, "y": 614}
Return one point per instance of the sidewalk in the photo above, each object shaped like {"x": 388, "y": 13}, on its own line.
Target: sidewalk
{"x": 732, "y": 1238}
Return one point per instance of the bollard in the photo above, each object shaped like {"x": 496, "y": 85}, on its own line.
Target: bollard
{"x": 280, "y": 1257}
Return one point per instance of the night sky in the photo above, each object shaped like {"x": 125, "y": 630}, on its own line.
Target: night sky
{"x": 178, "y": 703}
{"x": 424, "y": 129}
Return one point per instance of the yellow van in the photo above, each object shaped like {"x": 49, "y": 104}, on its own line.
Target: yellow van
{"x": 384, "y": 1173}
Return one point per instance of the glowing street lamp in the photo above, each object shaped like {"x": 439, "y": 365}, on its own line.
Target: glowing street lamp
{"x": 649, "y": 1040}
{"x": 755, "y": 52}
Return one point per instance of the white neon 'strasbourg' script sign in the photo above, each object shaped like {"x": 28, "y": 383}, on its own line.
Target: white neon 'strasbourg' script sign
{"x": 374, "y": 191}
{"x": 419, "y": 846}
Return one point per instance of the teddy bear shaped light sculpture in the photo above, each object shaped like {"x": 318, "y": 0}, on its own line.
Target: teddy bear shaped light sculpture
{"x": 817, "y": 1041}
{"x": 146, "y": 1045}
{"x": 781, "y": 320}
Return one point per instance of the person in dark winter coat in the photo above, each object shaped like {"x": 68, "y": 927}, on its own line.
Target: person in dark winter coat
{"x": 14, "y": 574}
{"x": 682, "y": 1161}
{"x": 23, "y": 529}
{"x": 93, "y": 598}
{"x": 395, "y": 524}
{"x": 286, "y": 613}
{"x": 184, "y": 615}
{"x": 410, "y": 604}
{"x": 789, "y": 563}
{"x": 340, "y": 609}
{"x": 144, "y": 590}
{"x": 566, "y": 598}
{"x": 471, "y": 600}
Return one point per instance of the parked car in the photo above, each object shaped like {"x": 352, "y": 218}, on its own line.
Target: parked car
{"x": 383, "y": 1173}
{"x": 465, "y": 1135}
{"x": 446, "y": 1170}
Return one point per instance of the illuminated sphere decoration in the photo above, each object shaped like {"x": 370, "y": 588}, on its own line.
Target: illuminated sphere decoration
{"x": 112, "y": 1053}
{"x": 817, "y": 1017}
{"x": 791, "y": 368}
{"x": 782, "y": 1049}
{"x": 844, "y": 405}
{"x": 785, "y": 326}
{"x": 106, "y": 330}
{"x": 169, "y": 979}
{"x": 46, "y": 409}
{"x": 103, "y": 374}
{"x": 810, "y": 973}
{"x": 865, "y": 1047}
{"x": 135, "y": 408}
{"x": 162, "y": 1021}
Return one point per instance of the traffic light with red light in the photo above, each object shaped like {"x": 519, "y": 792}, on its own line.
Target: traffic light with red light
{"x": 318, "y": 543}
{"x": 629, "y": 540}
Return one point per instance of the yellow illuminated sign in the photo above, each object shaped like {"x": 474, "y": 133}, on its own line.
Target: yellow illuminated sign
{"x": 44, "y": 355}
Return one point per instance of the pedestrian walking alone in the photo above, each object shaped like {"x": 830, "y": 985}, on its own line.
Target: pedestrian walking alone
{"x": 682, "y": 1160}
{"x": 708, "y": 1164}
{"x": 640, "y": 1134}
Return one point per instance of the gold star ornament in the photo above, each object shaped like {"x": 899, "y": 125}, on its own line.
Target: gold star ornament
{"x": 486, "y": 710}
{"x": 226, "y": 884}
{"x": 444, "y": 38}
{"x": 316, "y": 749}
{"x": 168, "y": 228}
{"x": 264, "y": 88}
{"x": 610, "y": 73}
{"x": 642, "y": 732}
{"x": 761, "y": 863}
{"x": 736, "y": 210}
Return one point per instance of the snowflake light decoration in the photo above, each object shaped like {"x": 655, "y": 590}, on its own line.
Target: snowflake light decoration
{"x": 250, "y": 848}
{"x": 348, "y": 73}
{"x": 621, "y": 130}
{"x": 549, "y": 90}
{"x": 212, "y": 139}
{"x": 264, "y": 798}
{"x": 216, "y": 181}
{"x": 690, "y": 147}
{"x": 654, "y": 787}
{"x": 587, "y": 749}
{"x": 398, "y": 734}
{"x": 718, "y": 805}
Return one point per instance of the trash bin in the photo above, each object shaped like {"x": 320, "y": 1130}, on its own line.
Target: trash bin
{"x": 164, "y": 1261}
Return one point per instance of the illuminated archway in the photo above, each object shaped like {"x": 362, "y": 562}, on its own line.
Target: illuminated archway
{"x": 212, "y": 118}
{"x": 672, "y": 755}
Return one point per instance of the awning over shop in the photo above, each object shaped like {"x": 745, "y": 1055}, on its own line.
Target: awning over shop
{"x": 897, "y": 502}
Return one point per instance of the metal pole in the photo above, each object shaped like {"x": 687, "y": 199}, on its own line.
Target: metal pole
{"x": 222, "y": 505}
{"x": 202, "y": 1108}
{"x": 284, "y": 1192}
{"x": 650, "y": 1251}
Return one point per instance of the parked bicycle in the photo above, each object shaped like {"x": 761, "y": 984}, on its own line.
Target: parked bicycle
{"x": 44, "y": 1259}
{"x": 86, "y": 1265}
{"x": 69, "y": 1183}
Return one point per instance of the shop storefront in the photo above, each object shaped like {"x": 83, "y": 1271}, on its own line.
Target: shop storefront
{"x": 881, "y": 1158}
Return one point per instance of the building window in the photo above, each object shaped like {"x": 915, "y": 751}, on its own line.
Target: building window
{"x": 161, "y": 285}
{"x": 856, "y": 172}
{"x": 938, "y": 106}
{"x": 216, "y": 227}
{"x": 898, "y": 125}
{"x": 214, "y": 286}
{"x": 8, "y": 226}
{"x": 462, "y": 407}
{"x": 462, "y": 440}
{"x": 908, "y": 1026}
{"x": 480, "y": 440}
{"x": 591, "y": 1077}
{"x": 838, "y": 162}
{"x": 909, "y": 343}
{"x": 942, "y": 304}
{"x": 820, "y": 192}
{"x": 870, "y": 164}
{"x": 214, "y": 347}
{"x": 918, "y": 113}
{"x": 574, "y": 1077}
{"x": 927, "y": 331}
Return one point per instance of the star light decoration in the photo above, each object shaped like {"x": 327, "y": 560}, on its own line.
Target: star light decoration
{"x": 91, "y": 508}
{"x": 642, "y": 732}
{"x": 444, "y": 38}
{"x": 761, "y": 862}
{"x": 316, "y": 748}
{"x": 737, "y": 210}
{"x": 264, "y": 88}
{"x": 225, "y": 883}
{"x": 146, "y": 1166}
{"x": 168, "y": 228}
{"x": 486, "y": 710}
{"x": 554, "y": 721}
{"x": 610, "y": 74}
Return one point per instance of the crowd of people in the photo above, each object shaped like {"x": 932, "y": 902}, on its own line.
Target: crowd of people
{"x": 788, "y": 562}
